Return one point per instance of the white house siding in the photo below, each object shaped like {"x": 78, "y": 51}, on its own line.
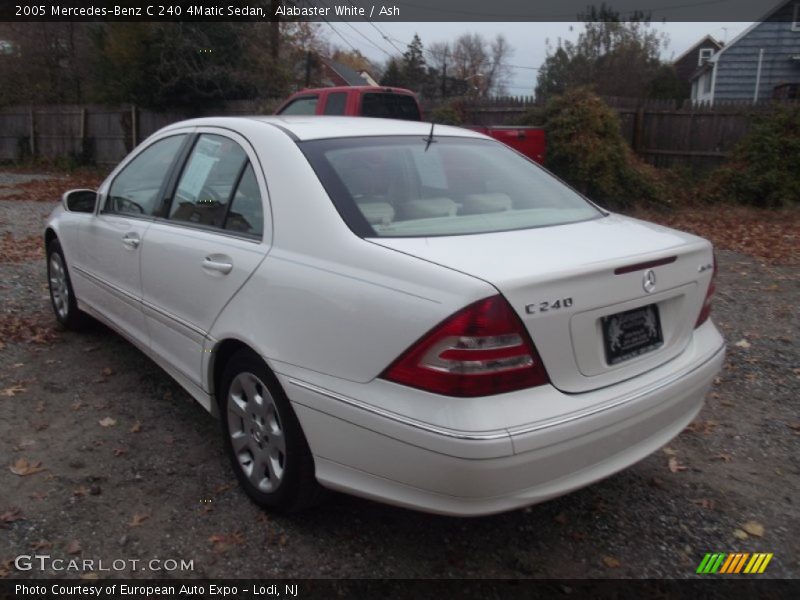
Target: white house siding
{"x": 738, "y": 64}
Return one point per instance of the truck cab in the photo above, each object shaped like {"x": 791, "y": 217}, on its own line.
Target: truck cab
{"x": 363, "y": 101}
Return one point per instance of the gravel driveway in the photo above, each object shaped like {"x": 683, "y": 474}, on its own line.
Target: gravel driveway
{"x": 121, "y": 464}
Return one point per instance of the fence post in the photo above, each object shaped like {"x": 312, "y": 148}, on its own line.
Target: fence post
{"x": 33, "y": 133}
{"x": 638, "y": 129}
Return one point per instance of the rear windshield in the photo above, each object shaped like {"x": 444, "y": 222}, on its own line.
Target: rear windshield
{"x": 389, "y": 106}
{"x": 404, "y": 187}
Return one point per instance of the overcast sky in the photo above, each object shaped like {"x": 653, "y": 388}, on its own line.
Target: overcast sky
{"x": 529, "y": 40}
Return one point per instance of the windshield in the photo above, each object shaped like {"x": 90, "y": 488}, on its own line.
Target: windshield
{"x": 404, "y": 187}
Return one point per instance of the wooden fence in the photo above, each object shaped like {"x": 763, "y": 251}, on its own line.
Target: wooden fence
{"x": 664, "y": 134}
{"x": 89, "y": 133}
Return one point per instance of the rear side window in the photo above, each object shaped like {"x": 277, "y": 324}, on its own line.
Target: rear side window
{"x": 336, "y": 103}
{"x": 135, "y": 191}
{"x": 390, "y": 106}
{"x": 208, "y": 180}
{"x": 302, "y": 106}
{"x": 246, "y": 214}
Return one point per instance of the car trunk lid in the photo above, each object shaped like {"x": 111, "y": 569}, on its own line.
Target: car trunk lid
{"x": 593, "y": 295}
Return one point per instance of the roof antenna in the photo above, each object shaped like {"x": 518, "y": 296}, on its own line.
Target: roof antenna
{"x": 429, "y": 140}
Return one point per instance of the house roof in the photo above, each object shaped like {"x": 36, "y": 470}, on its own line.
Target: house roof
{"x": 350, "y": 75}
{"x": 709, "y": 38}
{"x": 706, "y": 66}
{"x": 752, "y": 26}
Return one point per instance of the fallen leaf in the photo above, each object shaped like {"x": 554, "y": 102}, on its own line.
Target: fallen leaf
{"x": 138, "y": 519}
{"x": 611, "y": 562}
{"x": 80, "y": 491}
{"x": 107, "y": 422}
{"x": 223, "y": 488}
{"x": 119, "y": 451}
{"x": 136, "y": 427}
{"x": 77, "y": 405}
{"x": 42, "y": 545}
{"x": 12, "y": 514}
{"x": 561, "y": 518}
{"x": 108, "y": 372}
{"x": 283, "y": 539}
{"x": 723, "y": 457}
{"x": 22, "y": 467}
{"x": 74, "y": 547}
{"x": 39, "y": 495}
{"x": 13, "y": 390}
{"x": 739, "y": 534}
{"x": 703, "y": 503}
{"x": 703, "y": 427}
{"x": 40, "y": 407}
{"x": 754, "y": 528}
{"x": 668, "y": 451}
{"x": 221, "y": 542}
{"x": 795, "y": 427}
{"x": 675, "y": 466}
{"x": 742, "y": 343}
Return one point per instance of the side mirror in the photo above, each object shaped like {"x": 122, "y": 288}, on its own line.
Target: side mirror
{"x": 79, "y": 201}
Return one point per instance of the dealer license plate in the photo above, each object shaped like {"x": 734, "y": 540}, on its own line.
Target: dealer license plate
{"x": 631, "y": 333}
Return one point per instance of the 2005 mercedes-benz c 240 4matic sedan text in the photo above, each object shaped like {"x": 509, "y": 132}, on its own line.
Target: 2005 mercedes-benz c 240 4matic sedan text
{"x": 409, "y": 313}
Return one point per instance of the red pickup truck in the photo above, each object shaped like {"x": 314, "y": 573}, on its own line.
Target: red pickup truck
{"x": 399, "y": 103}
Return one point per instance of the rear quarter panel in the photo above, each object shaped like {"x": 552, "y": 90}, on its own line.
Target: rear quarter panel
{"x": 324, "y": 299}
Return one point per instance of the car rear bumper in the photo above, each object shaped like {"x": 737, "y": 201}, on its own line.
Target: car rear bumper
{"x": 377, "y": 455}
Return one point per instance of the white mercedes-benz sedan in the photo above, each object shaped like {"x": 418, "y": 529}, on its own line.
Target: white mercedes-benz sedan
{"x": 408, "y": 313}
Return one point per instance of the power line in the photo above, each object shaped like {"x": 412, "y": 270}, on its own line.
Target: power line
{"x": 385, "y": 37}
{"x": 350, "y": 25}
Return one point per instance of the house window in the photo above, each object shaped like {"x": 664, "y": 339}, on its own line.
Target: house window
{"x": 707, "y": 82}
{"x": 796, "y": 18}
{"x": 705, "y": 54}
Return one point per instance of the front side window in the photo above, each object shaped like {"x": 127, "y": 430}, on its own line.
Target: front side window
{"x": 302, "y": 106}
{"x": 205, "y": 187}
{"x": 135, "y": 191}
{"x": 404, "y": 186}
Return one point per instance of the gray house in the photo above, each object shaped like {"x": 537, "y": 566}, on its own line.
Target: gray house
{"x": 760, "y": 63}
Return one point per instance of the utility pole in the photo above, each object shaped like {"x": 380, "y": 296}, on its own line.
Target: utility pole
{"x": 274, "y": 31}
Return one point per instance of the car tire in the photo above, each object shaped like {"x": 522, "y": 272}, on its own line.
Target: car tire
{"x": 263, "y": 438}
{"x": 62, "y": 295}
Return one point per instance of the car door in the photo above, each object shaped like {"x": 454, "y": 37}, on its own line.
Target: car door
{"x": 214, "y": 233}
{"x": 110, "y": 242}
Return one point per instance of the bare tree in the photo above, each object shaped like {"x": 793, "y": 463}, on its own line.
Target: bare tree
{"x": 480, "y": 63}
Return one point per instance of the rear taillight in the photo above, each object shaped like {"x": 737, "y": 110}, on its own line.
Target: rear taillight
{"x": 481, "y": 350}
{"x": 706, "y": 310}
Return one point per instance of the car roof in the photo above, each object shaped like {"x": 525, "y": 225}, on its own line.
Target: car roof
{"x": 357, "y": 88}
{"x": 325, "y": 127}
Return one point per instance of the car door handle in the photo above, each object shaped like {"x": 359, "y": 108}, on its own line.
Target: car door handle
{"x": 131, "y": 240}
{"x": 220, "y": 264}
